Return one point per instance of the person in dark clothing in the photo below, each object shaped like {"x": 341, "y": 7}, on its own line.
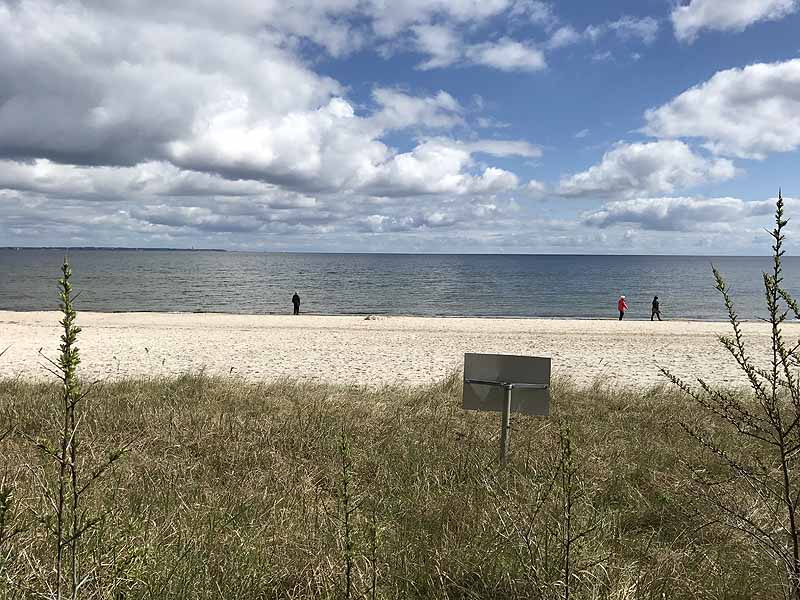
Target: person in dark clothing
{"x": 296, "y": 302}
{"x": 656, "y": 312}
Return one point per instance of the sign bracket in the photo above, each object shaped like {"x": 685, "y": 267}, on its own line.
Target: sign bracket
{"x": 505, "y": 419}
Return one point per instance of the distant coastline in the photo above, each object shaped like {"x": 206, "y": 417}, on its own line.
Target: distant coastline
{"x": 111, "y": 249}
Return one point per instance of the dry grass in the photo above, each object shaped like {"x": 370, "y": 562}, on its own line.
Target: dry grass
{"x": 234, "y": 490}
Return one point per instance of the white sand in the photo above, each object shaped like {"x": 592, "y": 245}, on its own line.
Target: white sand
{"x": 354, "y": 350}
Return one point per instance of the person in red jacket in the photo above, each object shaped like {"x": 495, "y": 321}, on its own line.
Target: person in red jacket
{"x": 622, "y": 306}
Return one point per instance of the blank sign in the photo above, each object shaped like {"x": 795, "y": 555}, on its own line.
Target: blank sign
{"x": 507, "y": 369}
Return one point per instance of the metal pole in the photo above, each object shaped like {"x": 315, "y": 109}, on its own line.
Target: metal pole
{"x": 505, "y": 426}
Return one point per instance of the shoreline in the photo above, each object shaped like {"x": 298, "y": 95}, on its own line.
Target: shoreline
{"x": 374, "y": 352}
{"x": 381, "y": 315}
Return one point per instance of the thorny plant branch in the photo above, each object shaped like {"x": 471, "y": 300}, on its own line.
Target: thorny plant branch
{"x": 761, "y": 497}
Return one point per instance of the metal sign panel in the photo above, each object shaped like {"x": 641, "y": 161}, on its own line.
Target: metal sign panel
{"x": 504, "y": 368}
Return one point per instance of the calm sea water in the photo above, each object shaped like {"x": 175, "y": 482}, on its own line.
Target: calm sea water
{"x": 479, "y": 285}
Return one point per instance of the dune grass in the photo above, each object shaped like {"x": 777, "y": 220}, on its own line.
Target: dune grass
{"x": 241, "y": 490}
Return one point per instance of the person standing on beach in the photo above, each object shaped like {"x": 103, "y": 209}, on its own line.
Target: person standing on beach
{"x": 656, "y": 312}
{"x": 622, "y": 306}
{"x": 296, "y": 302}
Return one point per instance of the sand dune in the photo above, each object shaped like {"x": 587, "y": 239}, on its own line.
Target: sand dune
{"x": 352, "y": 349}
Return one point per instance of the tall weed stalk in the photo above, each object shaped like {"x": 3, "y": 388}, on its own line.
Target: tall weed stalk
{"x": 755, "y": 487}
{"x": 71, "y": 483}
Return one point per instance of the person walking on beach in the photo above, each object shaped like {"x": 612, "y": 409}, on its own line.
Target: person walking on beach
{"x": 622, "y": 306}
{"x": 296, "y": 302}
{"x": 656, "y": 312}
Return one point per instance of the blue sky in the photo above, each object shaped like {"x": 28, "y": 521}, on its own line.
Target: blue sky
{"x": 511, "y": 126}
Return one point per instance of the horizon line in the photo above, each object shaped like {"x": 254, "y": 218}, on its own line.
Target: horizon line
{"x": 169, "y": 249}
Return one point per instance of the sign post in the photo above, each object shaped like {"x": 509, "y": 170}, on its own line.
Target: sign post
{"x": 486, "y": 374}
{"x": 505, "y": 426}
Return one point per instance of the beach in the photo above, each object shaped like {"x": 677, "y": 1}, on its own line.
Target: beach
{"x": 370, "y": 351}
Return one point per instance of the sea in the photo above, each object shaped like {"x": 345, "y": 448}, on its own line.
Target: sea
{"x": 543, "y": 286}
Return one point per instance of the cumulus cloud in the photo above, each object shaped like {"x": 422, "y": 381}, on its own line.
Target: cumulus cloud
{"x": 724, "y": 15}
{"x": 145, "y": 182}
{"x": 536, "y": 188}
{"x": 201, "y": 218}
{"x": 747, "y": 112}
{"x": 84, "y": 87}
{"x": 677, "y": 213}
{"x": 378, "y": 223}
{"x": 444, "y": 47}
{"x": 208, "y": 96}
{"x": 653, "y": 168}
{"x": 338, "y": 26}
{"x": 436, "y": 167}
{"x": 209, "y": 122}
{"x": 400, "y": 110}
{"x": 507, "y": 55}
{"x": 114, "y": 183}
{"x": 157, "y": 200}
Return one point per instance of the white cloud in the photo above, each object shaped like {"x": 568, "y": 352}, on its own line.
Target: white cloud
{"x": 400, "y": 110}
{"x": 327, "y": 148}
{"x": 444, "y": 47}
{"x": 563, "y": 36}
{"x": 390, "y": 18}
{"x": 653, "y": 168}
{"x": 626, "y": 27}
{"x": 338, "y": 26}
{"x": 147, "y": 180}
{"x": 507, "y": 55}
{"x": 115, "y": 183}
{"x": 678, "y": 214}
{"x": 436, "y": 167}
{"x": 502, "y": 148}
{"x": 441, "y": 44}
{"x": 536, "y": 12}
{"x": 536, "y": 188}
{"x": 206, "y": 90}
{"x": 491, "y": 123}
{"x": 747, "y": 112}
{"x": 85, "y": 87}
{"x": 201, "y": 218}
{"x": 644, "y": 29}
{"x": 726, "y": 15}
{"x": 163, "y": 121}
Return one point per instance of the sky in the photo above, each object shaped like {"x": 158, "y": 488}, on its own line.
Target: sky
{"x": 444, "y": 126}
